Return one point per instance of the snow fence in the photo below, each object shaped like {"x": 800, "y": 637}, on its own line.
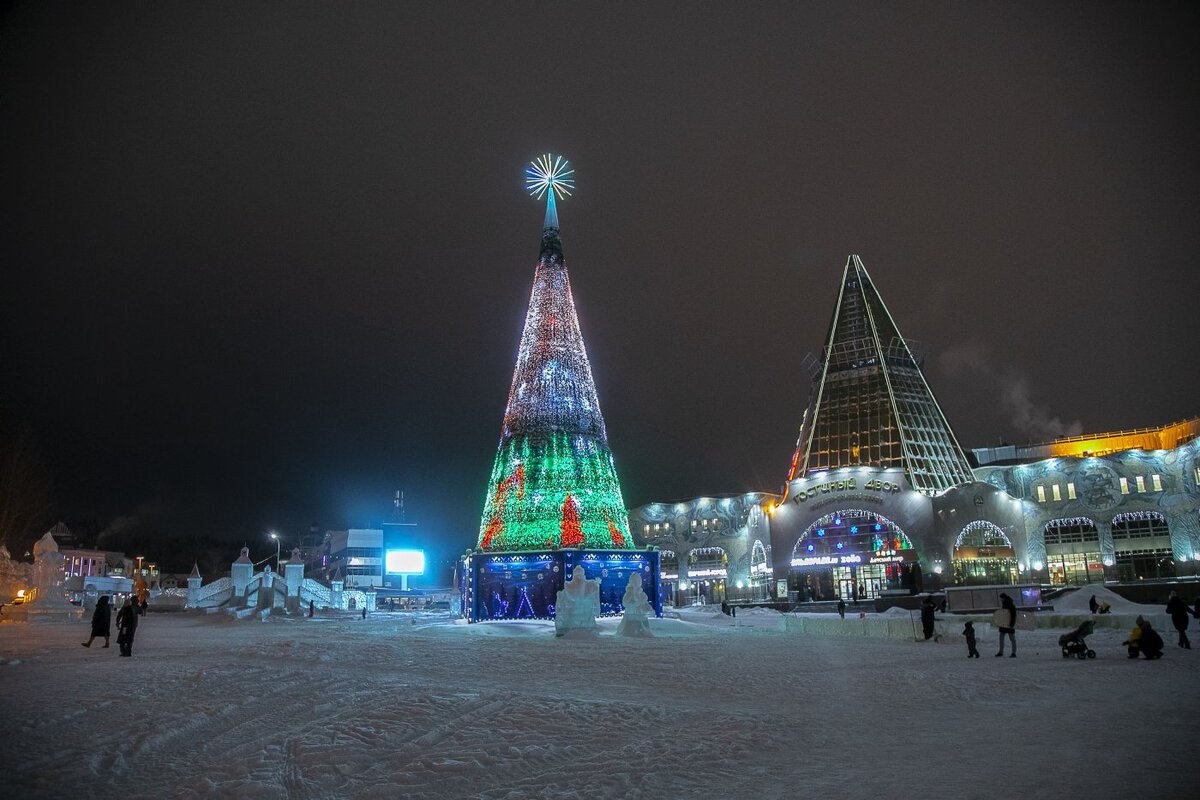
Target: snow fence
{"x": 873, "y": 626}
{"x": 949, "y": 627}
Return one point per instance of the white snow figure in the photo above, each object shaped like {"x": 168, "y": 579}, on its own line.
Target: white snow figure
{"x": 577, "y": 605}
{"x": 636, "y": 621}
{"x": 48, "y": 575}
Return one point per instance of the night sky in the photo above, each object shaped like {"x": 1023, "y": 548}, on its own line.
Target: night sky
{"x": 266, "y": 263}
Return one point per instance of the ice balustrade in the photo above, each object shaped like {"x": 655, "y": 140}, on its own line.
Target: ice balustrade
{"x": 219, "y": 587}
{"x": 316, "y": 593}
{"x": 310, "y": 591}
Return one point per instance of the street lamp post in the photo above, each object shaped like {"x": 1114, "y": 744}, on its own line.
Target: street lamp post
{"x": 275, "y": 536}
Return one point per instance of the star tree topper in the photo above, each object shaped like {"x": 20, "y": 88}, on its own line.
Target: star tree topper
{"x": 548, "y": 175}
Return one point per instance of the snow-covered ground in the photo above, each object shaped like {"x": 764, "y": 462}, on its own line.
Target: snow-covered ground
{"x": 421, "y": 707}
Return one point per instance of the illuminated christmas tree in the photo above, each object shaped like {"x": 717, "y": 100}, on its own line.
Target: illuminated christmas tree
{"x": 553, "y": 482}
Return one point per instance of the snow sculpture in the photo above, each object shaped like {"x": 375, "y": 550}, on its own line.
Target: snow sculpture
{"x": 48, "y": 575}
{"x": 636, "y": 621}
{"x": 577, "y": 605}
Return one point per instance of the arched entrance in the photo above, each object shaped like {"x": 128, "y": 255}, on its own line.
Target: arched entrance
{"x": 708, "y": 568}
{"x": 983, "y": 555}
{"x": 1073, "y": 551}
{"x": 760, "y": 571}
{"x": 668, "y": 569}
{"x": 852, "y": 555}
{"x": 1142, "y": 541}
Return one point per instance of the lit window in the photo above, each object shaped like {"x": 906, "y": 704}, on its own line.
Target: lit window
{"x": 1041, "y": 493}
{"x": 1157, "y": 481}
{"x": 1197, "y": 474}
{"x": 705, "y": 523}
{"x": 1141, "y": 484}
{"x": 1070, "y": 491}
{"x": 693, "y": 523}
{"x": 648, "y": 527}
{"x": 1124, "y": 486}
{"x": 1057, "y": 492}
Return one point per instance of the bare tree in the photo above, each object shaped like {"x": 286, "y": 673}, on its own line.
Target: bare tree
{"x": 25, "y": 486}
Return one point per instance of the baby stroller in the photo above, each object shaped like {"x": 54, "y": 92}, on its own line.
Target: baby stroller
{"x": 1073, "y": 643}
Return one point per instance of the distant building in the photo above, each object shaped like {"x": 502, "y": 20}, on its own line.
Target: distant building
{"x": 355, "y": 554}
{"x": 90, "y": 572}
{"x": 360, "y": 555}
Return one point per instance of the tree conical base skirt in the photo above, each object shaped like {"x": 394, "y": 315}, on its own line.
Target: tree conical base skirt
{"x": 557, "y": 492}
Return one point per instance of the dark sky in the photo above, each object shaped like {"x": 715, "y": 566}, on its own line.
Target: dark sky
{"x": 263, "y": 263}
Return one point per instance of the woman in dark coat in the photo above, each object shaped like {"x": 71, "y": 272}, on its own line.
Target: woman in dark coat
{"x": 127, "y": 622}
{"x": 1179, "y": 618}
{"x": 927, "y": 610}
{"x": 101, "y": 621}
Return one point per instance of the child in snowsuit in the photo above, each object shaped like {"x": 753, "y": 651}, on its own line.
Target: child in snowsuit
{"x": 1144, "y": 640}
{"x": 969, "y": 633}
{"x": 1150, "y": 643}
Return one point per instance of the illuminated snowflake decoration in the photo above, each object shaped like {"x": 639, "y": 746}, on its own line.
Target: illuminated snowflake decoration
{"x": 549, "y": 172}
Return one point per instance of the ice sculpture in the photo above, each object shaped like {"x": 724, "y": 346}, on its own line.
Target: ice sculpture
{"x": 577, "y": 604}
{"x": 636, "y": 621}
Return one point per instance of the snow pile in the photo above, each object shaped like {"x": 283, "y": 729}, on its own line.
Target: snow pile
{"x": 748, "y": 618}
{"x": 1076, "y": 602}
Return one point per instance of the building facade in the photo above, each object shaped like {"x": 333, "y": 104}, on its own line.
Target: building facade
{"x": 1113, "y": 506}
{"x": 354, "y": 555}
{"x": 880, "y": 497}
{"x": 710, "y": 548}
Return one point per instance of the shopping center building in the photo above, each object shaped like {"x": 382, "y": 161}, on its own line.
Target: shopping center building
{"x": 882, "y": 498}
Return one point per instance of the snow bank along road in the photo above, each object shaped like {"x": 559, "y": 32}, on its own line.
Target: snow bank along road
{"x": 386, "y": 708}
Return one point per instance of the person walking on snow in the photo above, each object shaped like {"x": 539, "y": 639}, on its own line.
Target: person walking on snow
{"x": 1179, "y": 618}
{"x": 1093, "y": 605}
{"x": 1006, "y": 621}
{"x": 127, "y": 622}
{"x": 841, "y": 606}
{"x": 969, "y": 634}
{"x": 101, "y": 621}
{"x": 927, "y": 609}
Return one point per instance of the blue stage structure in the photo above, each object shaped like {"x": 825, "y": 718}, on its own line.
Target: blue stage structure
{"x": 524, "y": 584}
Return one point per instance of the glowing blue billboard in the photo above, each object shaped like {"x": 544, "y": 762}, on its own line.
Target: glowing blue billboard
{"x": 404, "y": 562}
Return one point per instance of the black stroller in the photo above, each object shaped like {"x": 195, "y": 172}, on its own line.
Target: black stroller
{"x": 1073, "y": 643}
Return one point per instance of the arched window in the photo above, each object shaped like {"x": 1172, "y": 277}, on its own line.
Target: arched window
{"x": 983, "y": 555}
{"x": 850, "y": 531}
